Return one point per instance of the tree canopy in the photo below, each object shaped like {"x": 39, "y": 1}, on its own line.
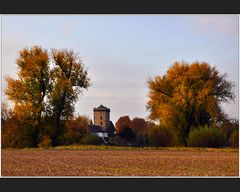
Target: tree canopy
{"x": 47, "y": 87}
{"x": 188, "y": 95}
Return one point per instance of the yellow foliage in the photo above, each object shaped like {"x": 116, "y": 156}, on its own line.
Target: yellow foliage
{"x": 189, "y": 94}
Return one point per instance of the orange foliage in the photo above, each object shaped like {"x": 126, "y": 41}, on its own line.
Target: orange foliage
{"x": 188, "y": 95}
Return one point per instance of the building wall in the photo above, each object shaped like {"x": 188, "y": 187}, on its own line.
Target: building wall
{"x": 102, "y": 118}
{"x": 102, "y": 134}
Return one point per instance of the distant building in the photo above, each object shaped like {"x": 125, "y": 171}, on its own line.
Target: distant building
{"x": 102, "y": 126}
{"x": 101, "y": 116}
{"x": 97, "y": 130}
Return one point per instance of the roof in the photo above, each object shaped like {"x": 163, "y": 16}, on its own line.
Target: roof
{"x": 101, "y": 108}
{"x": 96, "y": 129}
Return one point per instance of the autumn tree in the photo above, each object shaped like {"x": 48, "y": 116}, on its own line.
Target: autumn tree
{"x": 45, "y": 92}
{"x": 7, "y": 129}
{"x": 228, "y": 127}
{"x": 29, "y": 91}
{"x": 123, "y": 128}
{"x": 122, "y": 123}
{"x": 188, "y": 95}
{"x": 71, "y": 78}
{"x": 5, "y": 111}
{"x": 79, "y": 124}
{"x": 76, "y": 129}
{"x": 160, "y": 136}
{"x": 138, "y": 125}
{"x": 140, "y": 128}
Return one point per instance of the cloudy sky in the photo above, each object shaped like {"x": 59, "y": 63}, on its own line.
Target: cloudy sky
{"x": 123, "y": 51}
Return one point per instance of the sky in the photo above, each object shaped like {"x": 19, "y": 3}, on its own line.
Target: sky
{"x": 121, "y": 52}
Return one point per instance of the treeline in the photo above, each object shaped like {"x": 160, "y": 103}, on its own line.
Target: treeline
{"x": 184, "y": 105}
{"x": 139, "y": 132}
{"x": 74, "y": 131}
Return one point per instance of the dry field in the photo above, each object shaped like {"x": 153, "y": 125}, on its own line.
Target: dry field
{"x": 121, "y": 162}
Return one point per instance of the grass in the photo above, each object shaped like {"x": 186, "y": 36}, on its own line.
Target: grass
{"x": 105, "y": 147}
{"x": 89, "y": 160}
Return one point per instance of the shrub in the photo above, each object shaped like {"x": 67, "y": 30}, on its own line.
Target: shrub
{"x": 16, "y": 135}
{"x": 234, "y": 139}
{"x": 141, "y": 139}
{"x": 117, "y": 141}
{"x": 228, "y": 127}
{"x": 127, "y": 133}
{"x": 45, "y": 143}
{"x": 79, "y": 124}
{"x": 160, "y": 136}
{"x": 205, "y": 136}
{"x": 71, "y": 137}
{"x": 91, "y": 139}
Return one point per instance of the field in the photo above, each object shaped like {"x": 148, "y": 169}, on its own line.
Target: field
{"x": 119, "y": 161}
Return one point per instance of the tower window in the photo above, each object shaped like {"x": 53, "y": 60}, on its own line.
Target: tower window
{"x": 100, "y": 117}
{"x": 101, "y": 122}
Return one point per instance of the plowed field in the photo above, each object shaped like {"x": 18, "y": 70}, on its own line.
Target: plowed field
{"x": 92, "y": 162}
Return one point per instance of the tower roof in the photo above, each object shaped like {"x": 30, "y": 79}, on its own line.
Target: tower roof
{"x": 101, "y": 108}
{"x": 96, "y": 129}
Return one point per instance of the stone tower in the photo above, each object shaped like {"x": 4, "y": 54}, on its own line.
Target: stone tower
{"x": 101, "y": 116}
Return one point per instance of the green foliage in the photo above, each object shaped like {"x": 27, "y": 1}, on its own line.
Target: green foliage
{"x": 46, "y": 142}
{"x": 91, "y": 139}
{"x": 234, "y": 139}
{"x": 160, "y": 136}
{"x": 205, "y": 136}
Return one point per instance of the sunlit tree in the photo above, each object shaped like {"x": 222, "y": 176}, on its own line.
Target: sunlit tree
{"x": 188, "y": 95}
{"x": 29, "y": 91}
{"x": 71, "y": 78}
{"x": 45, "y": 92}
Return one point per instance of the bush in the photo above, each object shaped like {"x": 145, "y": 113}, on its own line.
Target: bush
{"x": 160, "y": 136}
{"x": 91, "y": 139}
{"x": 45, "y": 143}
{"x": 234, "y": 139}
{"x": 127, "y": 133}
{"x": 141, "y": 139}
{"x": 205, "y": 136}
{"x": 116, "y": 140}
{"x": 71, "y": 137}
{"x": 228, "y": 127}
{"x": 16, "y": 135}
{"x": 79, "y": 124}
